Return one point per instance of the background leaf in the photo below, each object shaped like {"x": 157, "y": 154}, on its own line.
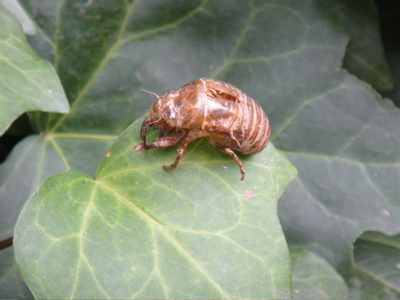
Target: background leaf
{"x": 365, "y": 56}
{"x": 378, "y": 254}
{"x": 378, "y": 276}
{"x": 314, "y": 278}
{"x": 287, "y": 55}
{"x": 390, "y": 21}
{"x": 15, "y": 8}
{"x": 138, "y": 231}
{"x": 26, "y": 82}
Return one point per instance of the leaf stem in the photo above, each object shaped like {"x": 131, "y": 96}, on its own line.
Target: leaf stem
{"x": 6, "y": 243}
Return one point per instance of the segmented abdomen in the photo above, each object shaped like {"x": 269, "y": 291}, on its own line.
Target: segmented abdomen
{"x": 252, "y": 128}
{"x": 237, "y": 121}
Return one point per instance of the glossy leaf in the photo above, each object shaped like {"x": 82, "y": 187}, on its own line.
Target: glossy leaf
{"x": 377, "y": 259}
{"x": 137, "y": 231}
{"x": 10, "y": 281}
{"x": 30, "y": 162}
{"x": 365, "y": 56}
{"x": 26, "y": 82}
{"x": 287, "y": 55}
{"x": 15, "y": 8}
{"x": 314, "y": 278}
{"x": 351, "y": 189}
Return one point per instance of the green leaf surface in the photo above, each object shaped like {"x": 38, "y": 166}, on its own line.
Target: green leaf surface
{"x": 365, "y": 55}
{"x": 33, "y": 159}
{"x": 15, "y": 8}
{"x": 30, "y": 162}
{"x": 390, "y": 20}
{"x": 365, "y": 286}
{"x": 286, "y": 55}
{"x": 137, "y": 231}
{"x": 379, "y": 256}
{"x": 395, "y": 65}
{"x": 10, "y": 281}
{"x": 350, "y": 189}
{"x": 26, "y": 82}
{"x": 314, "y": 278}
{"x": 37, "y": 157}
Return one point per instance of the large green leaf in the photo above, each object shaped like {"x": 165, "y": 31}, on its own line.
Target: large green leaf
{"x": 15, "y": 8}
{"x": 314, "y": 278}
{"x": 26, "y": 82}
{"x": 30, "y": 162}
{"x": 365, "y": 55}
{"x": 390, "y": 21}
{"x": 378, "y": 274}
{"x": 11, "y": 283}
{"x": 349, "y": 189}
{"x": 137, "y": 231}
{"x": 287, "y": 55}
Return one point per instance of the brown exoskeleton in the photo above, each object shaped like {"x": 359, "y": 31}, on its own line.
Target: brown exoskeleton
{"x": 229, "y": 119}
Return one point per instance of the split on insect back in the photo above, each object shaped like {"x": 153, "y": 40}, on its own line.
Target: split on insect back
{"x": 218, "y": 111}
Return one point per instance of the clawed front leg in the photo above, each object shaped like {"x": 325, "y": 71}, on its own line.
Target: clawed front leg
{"x": 161, "y": 142}
{"x": 147, "y": 122}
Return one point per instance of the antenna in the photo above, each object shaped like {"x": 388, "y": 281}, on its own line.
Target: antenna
{"x": 154, "y": 94}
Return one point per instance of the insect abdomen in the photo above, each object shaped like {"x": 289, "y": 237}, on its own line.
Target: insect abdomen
{"x": 234, "y": 119}
{"x": 254, "y": 127}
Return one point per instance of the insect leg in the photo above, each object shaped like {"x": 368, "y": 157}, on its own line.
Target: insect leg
{"x": 145, "y": 124}
{"x": 230, "y": 152}
{"x": 191, "y": 136}
{"x": 167, "y": 141}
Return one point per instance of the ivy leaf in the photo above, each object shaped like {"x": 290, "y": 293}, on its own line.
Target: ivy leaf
{"x": 365, "y": 55}
{"x": 356, "y": 171}
{"x": 378, "y": 268}
{"x": 372, "y": 251}
{"x": 15, "y": 8}
{"x": 314, "y": 277}
{"x": 26, "y": 82}
{"x": 137, "y": 231}
{"x": 287, "y": 56}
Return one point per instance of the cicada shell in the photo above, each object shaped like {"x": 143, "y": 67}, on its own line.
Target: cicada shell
{"x": 229, "y": 119}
